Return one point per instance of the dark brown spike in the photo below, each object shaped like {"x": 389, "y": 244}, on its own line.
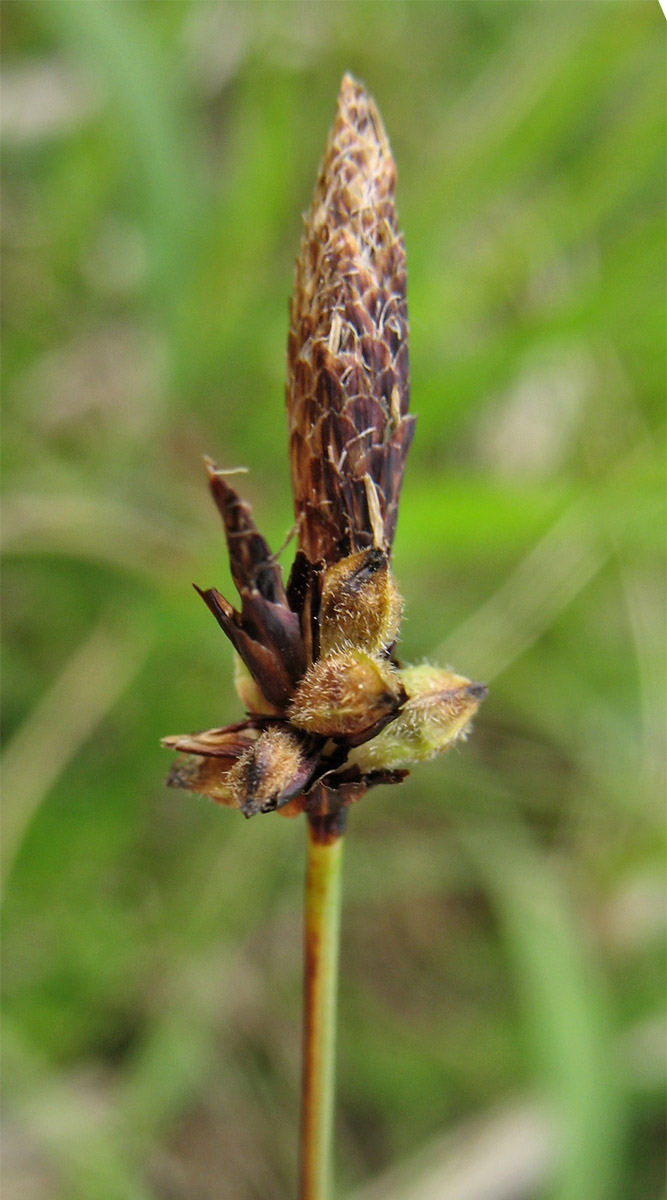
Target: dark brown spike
{"x": 347, "y": 378}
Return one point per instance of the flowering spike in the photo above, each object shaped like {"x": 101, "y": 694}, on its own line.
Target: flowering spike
{"x": 347, "y": 356}
{"x": 330, "y": 711}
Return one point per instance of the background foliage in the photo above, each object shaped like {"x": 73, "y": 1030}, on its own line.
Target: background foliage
{"x": 502, "y": 972}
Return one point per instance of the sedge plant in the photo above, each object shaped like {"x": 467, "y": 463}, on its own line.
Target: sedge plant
{"x": 330, "y": 710}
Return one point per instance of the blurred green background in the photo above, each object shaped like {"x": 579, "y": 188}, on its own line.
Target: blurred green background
{"x": 502, "y": 970}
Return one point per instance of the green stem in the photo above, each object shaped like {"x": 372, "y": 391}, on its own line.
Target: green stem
{"x": 321, "y": 944}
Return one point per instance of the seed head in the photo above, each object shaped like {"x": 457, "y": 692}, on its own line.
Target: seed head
{"x": 330, "y": 711}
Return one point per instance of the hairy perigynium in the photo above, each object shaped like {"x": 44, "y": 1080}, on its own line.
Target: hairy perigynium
{"x": 330, "y": 710}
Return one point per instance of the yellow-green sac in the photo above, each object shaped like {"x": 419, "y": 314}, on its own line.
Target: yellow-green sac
{"x": 360, "y": 606}
{"x": 438, "y": 711}
{"x": 346, "y": 693}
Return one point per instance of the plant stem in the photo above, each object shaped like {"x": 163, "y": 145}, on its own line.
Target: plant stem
{"x": 321, "y": 946}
